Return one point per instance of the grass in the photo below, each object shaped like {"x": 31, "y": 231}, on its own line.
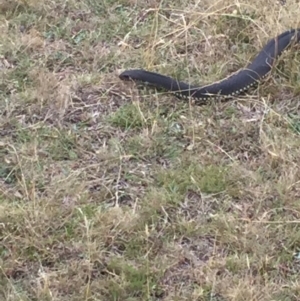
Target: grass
{"x": 109, "y": 191}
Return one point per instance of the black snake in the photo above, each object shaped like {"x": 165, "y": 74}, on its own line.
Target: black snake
{"x": 235, "y": 84}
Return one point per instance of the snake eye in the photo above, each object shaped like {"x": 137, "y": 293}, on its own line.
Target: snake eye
{"x": 124, "y": 77}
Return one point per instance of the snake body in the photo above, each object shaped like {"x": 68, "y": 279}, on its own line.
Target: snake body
{"x": 237, "y": 83}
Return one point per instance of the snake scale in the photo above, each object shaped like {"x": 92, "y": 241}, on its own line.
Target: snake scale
{"x": 237, "y": 83}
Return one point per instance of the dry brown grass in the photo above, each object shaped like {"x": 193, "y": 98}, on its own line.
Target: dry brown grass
{"x": 113, "y": 193}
